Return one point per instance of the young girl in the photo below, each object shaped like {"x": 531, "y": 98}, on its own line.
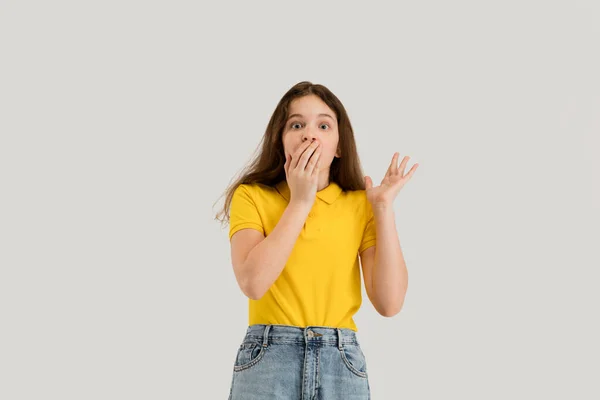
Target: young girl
{"x": 300, "y": 218}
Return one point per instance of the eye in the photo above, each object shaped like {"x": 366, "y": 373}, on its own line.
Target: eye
{"x": 298, "y": 123}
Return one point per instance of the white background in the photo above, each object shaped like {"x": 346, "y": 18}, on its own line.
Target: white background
{"x": 123, "y": 122}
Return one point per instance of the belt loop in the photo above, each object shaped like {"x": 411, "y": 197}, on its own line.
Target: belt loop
{"x": 266, "y": 336}
{"x": 339, "y": 332}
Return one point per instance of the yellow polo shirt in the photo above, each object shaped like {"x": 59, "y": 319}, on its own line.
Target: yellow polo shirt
{"x": 321, "y": 281}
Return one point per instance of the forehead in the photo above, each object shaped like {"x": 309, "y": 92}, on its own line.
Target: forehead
{"x": 309, "y": 106}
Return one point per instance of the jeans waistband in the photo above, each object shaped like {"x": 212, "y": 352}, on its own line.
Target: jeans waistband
{"x": 274, "y": 333}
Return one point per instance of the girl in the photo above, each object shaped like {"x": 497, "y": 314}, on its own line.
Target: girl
{"x": 300, "y": 218}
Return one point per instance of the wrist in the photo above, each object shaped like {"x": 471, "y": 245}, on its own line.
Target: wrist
{"x": 300, "y": 205}
{"x": 382, "y": 208}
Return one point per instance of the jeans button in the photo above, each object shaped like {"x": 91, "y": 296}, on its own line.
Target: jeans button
{"x": 310, "y": 334}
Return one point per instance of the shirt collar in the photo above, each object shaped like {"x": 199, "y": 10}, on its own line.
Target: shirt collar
{"x": 329, "y": 194}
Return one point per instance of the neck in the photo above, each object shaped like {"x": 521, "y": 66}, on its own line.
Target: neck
{"x": 323, "y": 180}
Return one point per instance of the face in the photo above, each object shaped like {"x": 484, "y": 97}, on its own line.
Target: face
{"x": 310, "y": 118}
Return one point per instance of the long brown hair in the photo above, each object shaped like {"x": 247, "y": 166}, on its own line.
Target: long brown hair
{"x": 268, "y": 166}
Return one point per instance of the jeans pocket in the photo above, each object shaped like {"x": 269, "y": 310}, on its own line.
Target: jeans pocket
{"x": 354, "y": 359}
{"x": 248, "y": 355}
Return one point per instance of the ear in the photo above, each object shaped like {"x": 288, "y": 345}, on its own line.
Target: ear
{"x": 338, "y": 153}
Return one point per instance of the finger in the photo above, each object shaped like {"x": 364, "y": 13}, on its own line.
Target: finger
{"x": 316, "y": 169}
{"x": 309, "y": 154}
{"x": 312, "y": 168}
{"x": 411, "y": 172}
{"x": 299, "y": 151}
{"x": 403, "y": 166}
{"x": 391, "y": 169}
{"x": 368, "y": 182}
{"x": 306, "y": 155}
{"x": 296, "y": 155}
{"x": 286, "y": 165}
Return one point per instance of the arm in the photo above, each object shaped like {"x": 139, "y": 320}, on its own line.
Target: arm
{"x": 258, "y": 262}
{"x": 384, "y": 268}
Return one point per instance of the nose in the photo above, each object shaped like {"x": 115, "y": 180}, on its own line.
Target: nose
{"x": 309, "y": 134}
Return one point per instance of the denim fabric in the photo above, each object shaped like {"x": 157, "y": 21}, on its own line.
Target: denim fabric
{"x": 277, "y": 362}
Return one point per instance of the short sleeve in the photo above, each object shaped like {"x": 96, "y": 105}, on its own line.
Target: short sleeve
{"x": 369, "y": 234}
{"x": 243, "y": 212}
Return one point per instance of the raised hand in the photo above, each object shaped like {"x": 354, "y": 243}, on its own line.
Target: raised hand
{"x": 392, "y": 182}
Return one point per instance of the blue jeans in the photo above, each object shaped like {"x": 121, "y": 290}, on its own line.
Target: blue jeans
{"x": 277, "y": 362}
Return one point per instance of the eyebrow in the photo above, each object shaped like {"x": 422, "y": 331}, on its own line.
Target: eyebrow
{"x": 320, "y": 115}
